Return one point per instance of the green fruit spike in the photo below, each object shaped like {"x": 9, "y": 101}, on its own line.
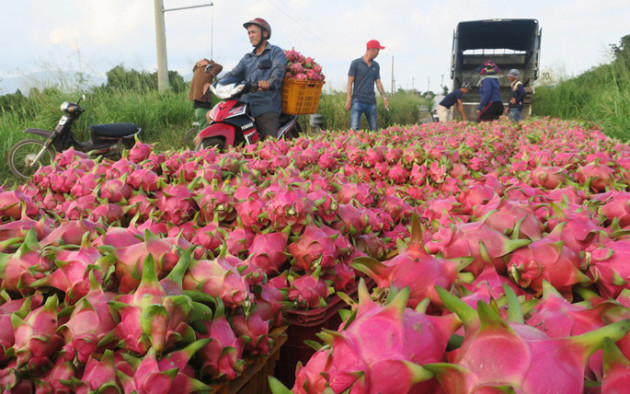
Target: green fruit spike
{"x": 613, "y": 357}
{"x": 593, "y": 340}
{"x": 465, "y": 312}
{"x": 277, "y": 387}
{"x": 172, "y": 283}
{"x": 515, "y": 312}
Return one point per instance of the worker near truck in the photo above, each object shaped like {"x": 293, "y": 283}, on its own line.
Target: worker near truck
{"x": 516, "y": 103}
{"x": 363, "y": 74}
{"x": 455, "y": 97}
{"x": 490, "y": 105}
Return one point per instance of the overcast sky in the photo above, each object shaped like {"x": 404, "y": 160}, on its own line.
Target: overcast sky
{"x": 94, "y": 36}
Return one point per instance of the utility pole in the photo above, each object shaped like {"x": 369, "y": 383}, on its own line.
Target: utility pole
{"x": 160, "y": 37}
{"x": 393, "y": 81}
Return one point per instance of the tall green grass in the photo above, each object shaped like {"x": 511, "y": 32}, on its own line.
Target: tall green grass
{"x": 600, "y": 96}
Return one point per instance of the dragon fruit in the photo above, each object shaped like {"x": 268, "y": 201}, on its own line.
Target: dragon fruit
{"x": 217, "y": 278}
{"x": 616, "y": 367}
{"x": 413, "y": 267}
{"x": 546, "y": 259}
{"x": 609, "y": 267}
{"x": 362, "y": 360}
{"x": 90, "y": 322}
{"x": 499, "y": 355}
{"x": 314, "y": 248}
{"x": 267, "y": 251}
{"x": 302, "y": 68}
{"x": 155, "y": 316}
{"x": 36, "y": 338}
{"x": 25, "y": 266}
{"x": 222, "y": 356}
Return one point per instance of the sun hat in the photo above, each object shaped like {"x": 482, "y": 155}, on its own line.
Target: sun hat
{"x": 374, "y": 44}
{"x": 488, "y": 68}
{"x": 513, "y": 73}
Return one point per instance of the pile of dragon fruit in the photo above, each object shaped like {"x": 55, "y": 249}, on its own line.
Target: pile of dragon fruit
{"x": 499, "y": 252}
{"x": 301, "y": 68}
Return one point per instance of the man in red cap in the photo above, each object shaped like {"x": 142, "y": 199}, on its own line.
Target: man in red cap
{"x": 363, "y": 73}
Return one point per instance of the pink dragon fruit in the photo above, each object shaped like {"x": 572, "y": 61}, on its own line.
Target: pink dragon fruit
{"x": 55, "y": 380}
{"x": 25, "y": 266}
{"x": 499, "y": 355}
{"x": 217, "y": 278}
{"x": 616, "y": 366}
{"x": 617, "y": 206}
{"x": 176, "y": 203}
{"x": 362, "y": 362}
{"x": 155, "y": 316}
{"x": 609, "y": 267}
{"x": 12, "y": 203}
{"x": 308, "y": 291}
{"x": 267, "y": 251}
{"x": 97, "y": 375}
{"x": 548, "y": 177}
{"x": 475, "y": 239}
{"x": 36, "y": 338}
{"x": 546, "y": 259}
{"x": 314, "y": 248}
{"x": 222, "y": 356}
{"x": 21, "y": 307}
{"x": 73, "y": 269}
{"x": 413, "y": 267}
{"x": 254, "y": 329}
{"x": 90, "y": 322}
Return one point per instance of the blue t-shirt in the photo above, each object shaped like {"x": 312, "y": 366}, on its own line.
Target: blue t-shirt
{"x": 490, "y": 92}
{"x": 364, "y": 79}
{"x": 451, "y": 98}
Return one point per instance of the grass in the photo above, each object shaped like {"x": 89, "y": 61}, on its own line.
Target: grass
{"x": 600, "y": 96}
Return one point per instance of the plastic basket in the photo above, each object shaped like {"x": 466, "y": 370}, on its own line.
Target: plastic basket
{"x": 301, "y": 97}
{"x": 254, "y": 379}
{"x": 304, "y": 325}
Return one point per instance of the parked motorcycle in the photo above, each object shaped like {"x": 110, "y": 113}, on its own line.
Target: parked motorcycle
{"x": 107, "y": 140}
{"x": 230, "y": 123}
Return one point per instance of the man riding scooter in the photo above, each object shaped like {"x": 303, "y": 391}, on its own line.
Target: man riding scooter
{"x": 265, "y": 103}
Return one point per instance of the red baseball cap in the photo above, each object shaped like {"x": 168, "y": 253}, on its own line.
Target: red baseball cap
{"x": 374, "y": 44}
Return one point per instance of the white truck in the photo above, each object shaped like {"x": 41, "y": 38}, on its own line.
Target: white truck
{"x": 509, "y": 43}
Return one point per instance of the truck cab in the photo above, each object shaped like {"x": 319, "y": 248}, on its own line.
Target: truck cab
{"x": 509, "y": 43}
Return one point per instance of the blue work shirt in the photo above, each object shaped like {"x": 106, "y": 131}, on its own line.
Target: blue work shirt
{"x": 489, "y": 91}
{"x": 364, "y": 78}
{"x": 247, "y": 69}
{"x": 451, "y": 98}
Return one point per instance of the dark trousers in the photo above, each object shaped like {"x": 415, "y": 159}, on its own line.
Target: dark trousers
{"x": 268, "y": 124}
{"x": 491, "y": 111}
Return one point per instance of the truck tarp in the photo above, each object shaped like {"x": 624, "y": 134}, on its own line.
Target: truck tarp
{"x": 515, "y": 34}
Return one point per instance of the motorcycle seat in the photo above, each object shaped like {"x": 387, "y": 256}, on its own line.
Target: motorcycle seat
{"x": 114, "y": 129}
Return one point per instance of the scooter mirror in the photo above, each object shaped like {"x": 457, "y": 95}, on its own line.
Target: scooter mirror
{"x": 265, "y": 64}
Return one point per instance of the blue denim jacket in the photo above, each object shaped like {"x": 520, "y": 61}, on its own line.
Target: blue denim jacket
{"x": 247, "y": 69}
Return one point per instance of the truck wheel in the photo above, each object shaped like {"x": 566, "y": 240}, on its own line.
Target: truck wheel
{"x": 22, "y": 157}
{"x": 209, "y": 143}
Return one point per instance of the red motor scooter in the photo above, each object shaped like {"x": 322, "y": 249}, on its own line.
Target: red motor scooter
{"x": 230, "y": 123}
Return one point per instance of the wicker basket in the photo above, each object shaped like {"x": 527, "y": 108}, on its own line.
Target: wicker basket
{"x": 300, "y": 97}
